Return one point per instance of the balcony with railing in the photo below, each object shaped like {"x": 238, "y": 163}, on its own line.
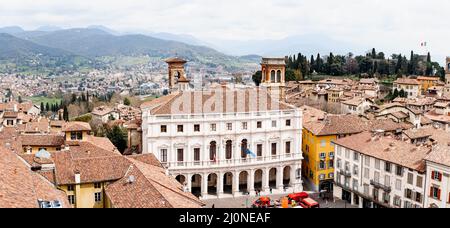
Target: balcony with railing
{"x": 232, "y": 162}
{"x": 376, "y": 184}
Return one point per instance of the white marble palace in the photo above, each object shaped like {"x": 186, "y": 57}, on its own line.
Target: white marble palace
{"x": 226, "y": 142}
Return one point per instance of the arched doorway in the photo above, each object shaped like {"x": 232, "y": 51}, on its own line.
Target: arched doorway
{"x": 181, "y": 179}
{"x": 213, "y": 151}
{"x": 279, "y": 76}
{"x": 273, "y": 178}
{"x": 258, "y": 179}
{"x": 286, "y": 176}
{"x": 229, "y": 150}
{"x": 212, "y": 184}
{"x": 244, "y": 147}
{"x": 243, "y": 177}
{"x": 272, "y": 76}
{"x": 228, "y": 183}
{"x": 196, "y": 185}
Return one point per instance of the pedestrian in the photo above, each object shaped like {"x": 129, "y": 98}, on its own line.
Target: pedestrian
{"x": 213, "y": 206}
{"x": 270, "y": 190}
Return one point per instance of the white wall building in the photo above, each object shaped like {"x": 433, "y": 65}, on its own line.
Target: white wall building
{"x": 208, "y": 150}
{"x": 375, "y": 171}
{"x": 226, "y": 142}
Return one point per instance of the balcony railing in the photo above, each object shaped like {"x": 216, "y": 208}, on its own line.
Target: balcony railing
{"x": 381, "y": 186}
{"x": 231, "y": 162}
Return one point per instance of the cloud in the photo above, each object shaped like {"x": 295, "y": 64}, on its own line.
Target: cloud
{"x": 399, "y": 24}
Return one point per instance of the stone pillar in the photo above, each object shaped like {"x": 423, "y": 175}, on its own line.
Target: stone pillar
{"x": 296, "y": 184}
{"x": 251, "y": 182}
{"x": 279, "y": 183}
{"x": 265, "y": 180}
{"x": 235, "y": 184}
{"x": 189, "y": 182}
{"x": 220, "y": 184}
{"x": 204, "y": 185}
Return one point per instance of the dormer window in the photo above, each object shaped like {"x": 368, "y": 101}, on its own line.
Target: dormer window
{"x": 76, "y": 135}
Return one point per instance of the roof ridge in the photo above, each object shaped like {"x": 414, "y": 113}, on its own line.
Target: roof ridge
{"x": 157, "y": 182}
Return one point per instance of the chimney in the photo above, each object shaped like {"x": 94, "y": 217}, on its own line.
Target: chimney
{"x": 77, "y": 177}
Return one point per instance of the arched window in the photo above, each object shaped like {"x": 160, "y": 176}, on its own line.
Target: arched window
{"x": 279, "y": 76}
{"x": 213, "y": 151}
{"x": 229, "y": 149}
{"x": 244, "y": 147}
{"x": 272, "y": 76}
{"x": 448, "y": 66}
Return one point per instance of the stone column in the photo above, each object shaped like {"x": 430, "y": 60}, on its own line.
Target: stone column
{"x": 265, "y": 180}
{"x": 279, "y": 182}
{"x": 204, "y": 185}
{"x": 251, "y": 182}
{"x": 220, "y": 184}
{"x": 189, "y": 182}
{"x": 235, "y": 184}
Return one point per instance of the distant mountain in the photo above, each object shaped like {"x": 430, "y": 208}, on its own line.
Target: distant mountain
{"x": 13, "y": 47}
{"x": 11, "y": 30}
{"x": 94, "y": 43}
{"x": 48, "y": 28}
{"x": 99, "y": 46}
{"x": 188, "y": 39}
{"x": 18, "y": 55}
{"x": 104, "y": 29}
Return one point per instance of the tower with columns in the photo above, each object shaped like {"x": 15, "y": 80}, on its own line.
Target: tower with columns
{"x": 177, "y": 74}
{"x": 274, "y": 76}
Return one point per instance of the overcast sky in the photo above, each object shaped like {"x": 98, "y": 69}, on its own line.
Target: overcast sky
{"x": 388, "y": 24}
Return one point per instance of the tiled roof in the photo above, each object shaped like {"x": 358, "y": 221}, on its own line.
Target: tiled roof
{"x": 387, "y": 149}
{"x": 336, "y": 125}
{"x": 311, "y": 114}
{"x": 76, "y": 126}
{"x": 102, "y": 111}
{"x": 42, "y": 140}
{"x": 22, "y": 188}
{"x": 407, "y": 81}
{"x": 441, "y": 151}
{"x": 216, "y": 101}
{"x": 175, "y": 60}
{"x": 150, "y": 188}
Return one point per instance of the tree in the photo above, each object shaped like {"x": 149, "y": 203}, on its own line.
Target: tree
{"x": 65, "y": 113}
{"x": 429, "y": 69}
{"x": 126, "y": 101}
{"x": 257, "y": 77}
{"x": 118, "y": 137}
{"x": 47, "y": 107}
{"x": 165, "y": 92}
{"x": 20, "y": 100}
{"x": 42, "y": 107}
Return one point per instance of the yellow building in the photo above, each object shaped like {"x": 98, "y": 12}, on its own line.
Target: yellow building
{"x": 31, "y": 144}
{"x": 427, "y": 82}
{"x": 318, "y": 147}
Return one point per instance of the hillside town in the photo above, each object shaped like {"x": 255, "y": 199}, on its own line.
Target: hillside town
{"x": 331, "y": 140}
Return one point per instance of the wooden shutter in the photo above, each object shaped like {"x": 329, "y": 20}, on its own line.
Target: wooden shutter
{"x": 439, "y": 194}
{"x": 431, "y": 192}
{"x": 440, "y": 176}
{"x": 432, "y": 175}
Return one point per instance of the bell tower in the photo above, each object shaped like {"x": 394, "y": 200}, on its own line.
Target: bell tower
{"x": 273, "y": 76}
{"x": 177, "y": 74}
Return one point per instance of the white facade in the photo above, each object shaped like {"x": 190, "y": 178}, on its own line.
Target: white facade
{"x": 368, "y": 182}
{"x": 438, "y": 186}
{"x": 185, "y": 144}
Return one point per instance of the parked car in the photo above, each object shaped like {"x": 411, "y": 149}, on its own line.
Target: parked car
{"x": 309, "y": 203}
{"x": 297, "y": 197}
